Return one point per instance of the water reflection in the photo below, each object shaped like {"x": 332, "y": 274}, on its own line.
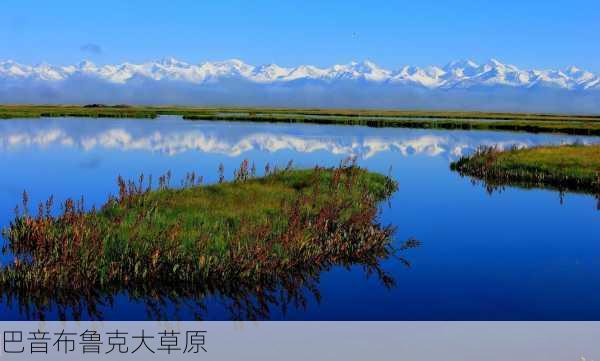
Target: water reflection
{"x": 218, "y": 138}
{"x": 495, "y": 187}
{"x": 187, "y": 302}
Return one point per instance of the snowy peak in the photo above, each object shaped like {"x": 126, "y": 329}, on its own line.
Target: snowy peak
{"x": 366, "y": 70}
{"x": 269, "y": 73}
{"x": 461, "y": 64}
{"x": 460, "y": 74}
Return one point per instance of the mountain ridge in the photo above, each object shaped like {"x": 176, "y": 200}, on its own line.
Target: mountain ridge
{"x": 462, "y": 74}
{"x": 458, "y": 85}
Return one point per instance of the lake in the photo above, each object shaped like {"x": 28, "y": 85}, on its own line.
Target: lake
{"x": 515, "y": 254}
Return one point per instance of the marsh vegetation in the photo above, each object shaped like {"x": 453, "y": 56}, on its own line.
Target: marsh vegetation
{"x": 572, "y": 167}
{"x": 252, "y": 233}
{"x": 526, "y": 122}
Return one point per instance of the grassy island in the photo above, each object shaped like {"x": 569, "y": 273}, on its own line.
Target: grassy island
{"x": 565, "y": 167}
{"x": 525, "y": 122}
{"x": 248, "y": 232}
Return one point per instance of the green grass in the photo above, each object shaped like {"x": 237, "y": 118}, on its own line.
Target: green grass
{"x": 526, "y": 122}
{"x": 9, "y": 112}
{"x": 565, "y": 167}
{"x": 572, "y": 126}
{"x": 245, "y": 233}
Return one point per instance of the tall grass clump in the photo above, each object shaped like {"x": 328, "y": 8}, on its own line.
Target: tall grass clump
{"x": 243, "y": 234}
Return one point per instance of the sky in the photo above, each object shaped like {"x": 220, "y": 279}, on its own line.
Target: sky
{"x": 540, "y": 34}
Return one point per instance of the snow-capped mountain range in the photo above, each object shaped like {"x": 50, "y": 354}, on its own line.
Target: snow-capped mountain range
{"x": 458, "y": 85}
{"x": 457, "y": 74}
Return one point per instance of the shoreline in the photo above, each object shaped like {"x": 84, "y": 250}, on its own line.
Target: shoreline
{"x": 574, "y": 168}
{"x": 517, "y": 122}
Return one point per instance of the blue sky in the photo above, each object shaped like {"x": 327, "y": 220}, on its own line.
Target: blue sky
{"x": 546, "y": 34}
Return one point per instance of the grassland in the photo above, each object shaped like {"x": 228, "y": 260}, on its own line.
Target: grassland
{"x": 565, "y": 167}
{"x": 249, "y": 232}
{"x": 574, "y": 127}
{"x": 526, "y": 122}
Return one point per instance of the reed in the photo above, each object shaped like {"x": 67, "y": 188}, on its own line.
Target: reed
{"x": 247, "y": 232}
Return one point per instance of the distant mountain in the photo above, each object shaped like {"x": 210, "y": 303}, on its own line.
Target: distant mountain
{"x": 458, "y": 85}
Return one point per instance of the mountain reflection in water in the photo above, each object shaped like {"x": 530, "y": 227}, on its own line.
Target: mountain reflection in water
{"x": 217, "y": 138}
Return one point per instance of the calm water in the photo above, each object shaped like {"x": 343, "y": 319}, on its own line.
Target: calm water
{"x": 517, "y": 254}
